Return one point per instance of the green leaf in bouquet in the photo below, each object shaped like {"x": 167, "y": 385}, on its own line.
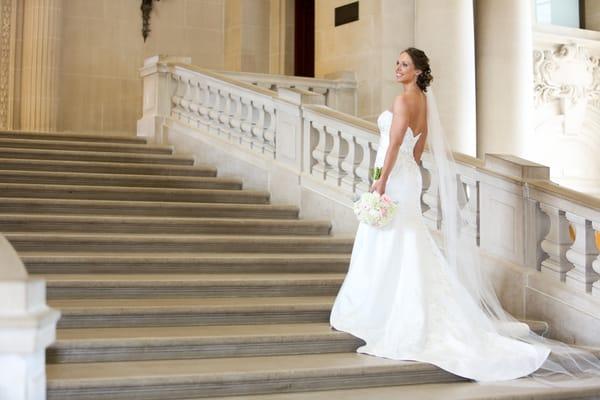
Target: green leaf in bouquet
{"x": 376, "y": 173}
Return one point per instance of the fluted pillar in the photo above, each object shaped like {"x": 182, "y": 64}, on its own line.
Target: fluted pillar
{"x": 504, "y": 70}
{"x": 437, "y": 24}
{"x": 41, "y": 61}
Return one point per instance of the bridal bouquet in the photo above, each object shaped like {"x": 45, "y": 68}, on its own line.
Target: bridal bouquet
{"x": 373, "y": 208}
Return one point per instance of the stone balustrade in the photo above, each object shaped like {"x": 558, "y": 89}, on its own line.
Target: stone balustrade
{"x": 306, "y": 153}
{"x": 338, "y": 89}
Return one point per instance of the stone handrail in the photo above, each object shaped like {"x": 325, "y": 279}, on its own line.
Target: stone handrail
{"x": 338, "y": 89}
{"x": 321, "y": 159}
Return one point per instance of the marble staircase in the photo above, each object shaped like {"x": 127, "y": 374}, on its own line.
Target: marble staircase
{"x": 176, "y": 283}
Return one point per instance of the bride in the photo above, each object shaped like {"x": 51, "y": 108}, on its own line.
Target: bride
{"x": 410, "y": 300}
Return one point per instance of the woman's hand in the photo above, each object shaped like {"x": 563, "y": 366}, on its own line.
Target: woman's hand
{"x": 378, "y": 186}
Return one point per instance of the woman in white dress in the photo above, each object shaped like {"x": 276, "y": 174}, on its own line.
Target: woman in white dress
{"x": 406, "y": 298}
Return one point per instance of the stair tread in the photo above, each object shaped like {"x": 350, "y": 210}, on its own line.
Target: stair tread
{"x": 44, "y": 143}
{"x": 32, "y": 255}
{"x": 519, "y": 389}
{"x": 205, "y": 279}
{"x": 74, "y": 336}
{"x": 192, "y": 303}
{"x": 108, "y": 154}
{"x": 75, "y": 202}
{"x": 118, "y": 219}
{"x": 112, "y": 165}
{"x": 140, "y": 177}
{"x": 71, "y": 336}
{"x": 71, "y": 136}
{"x": 175, "y": 237}
{"x": 219, "y": 369}
{"x": 127, "y": 189}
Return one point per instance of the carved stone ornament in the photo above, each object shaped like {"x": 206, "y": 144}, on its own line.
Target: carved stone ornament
{"x": 570, "y": 76}
{"x": 567, "y": 73}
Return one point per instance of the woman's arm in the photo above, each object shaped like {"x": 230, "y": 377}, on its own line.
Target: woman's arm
{"x": 397, "y": 132}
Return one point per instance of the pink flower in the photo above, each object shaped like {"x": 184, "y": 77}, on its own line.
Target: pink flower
{"x": 386, "y": 198}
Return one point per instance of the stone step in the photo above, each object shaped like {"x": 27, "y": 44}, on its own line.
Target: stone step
{"x": 165, "y": 285}
{"x": 151, "y": 225}
{"x": 167, "y": 243}
{"x": 95, "y": 179}
{"x": 146, "y": 208}
{"x": 520, "y": 389}
{"x": 190, "y": 263}
{"x": 113, "y": 157}
{"x": 186, "y": 342}
{"x": 116, "y": 312}
{"x": 51, "y": 191}
{"x": 184, "y": 379}
{"x": 84, "y": 146}
{"x": 107, "y": 167}
{"x": 71, "y": 137}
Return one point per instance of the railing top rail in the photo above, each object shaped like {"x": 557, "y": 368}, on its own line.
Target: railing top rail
{"x": 338, "y": 116}
{"x": 566, "y": 194}
{"x": 215, "y": 75}
{"x": 322, "y": 82}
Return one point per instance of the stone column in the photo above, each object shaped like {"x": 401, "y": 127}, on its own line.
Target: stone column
{"x": 504, "y": 71}
{"x": 42, "y": 20}
{"x": 438, "y": 24}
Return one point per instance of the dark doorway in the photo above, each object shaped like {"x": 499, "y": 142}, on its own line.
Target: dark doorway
{"x": 304, "y": 38}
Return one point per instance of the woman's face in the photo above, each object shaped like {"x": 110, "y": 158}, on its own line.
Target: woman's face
{"x": 405, "y": 69}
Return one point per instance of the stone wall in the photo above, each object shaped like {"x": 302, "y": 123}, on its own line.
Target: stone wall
{"x": 368, "y": 46}
{"x": 103, "y": 49}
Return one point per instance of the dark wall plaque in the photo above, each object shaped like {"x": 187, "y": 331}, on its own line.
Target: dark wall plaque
{"x": 346, "y": 13}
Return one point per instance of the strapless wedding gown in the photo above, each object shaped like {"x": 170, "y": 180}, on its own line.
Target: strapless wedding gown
{"x": 400, "y": 298}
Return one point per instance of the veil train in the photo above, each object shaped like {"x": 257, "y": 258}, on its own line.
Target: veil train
{"x": 565, "y": 362}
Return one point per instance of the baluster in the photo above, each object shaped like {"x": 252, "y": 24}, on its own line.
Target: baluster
{"x": 323, "y": 147}
{"x": 185, "y": 101}
{"x": 236, "y": 119}
{"x": 225, "y": 117}
{"x": 177, "y": 97}
{"x": 246, "y": 124}
{"x": 335, "y": 158}
{"x": 216, "y": 112}
{"x": 366, "y": 151}
{"x": 203, "y": 103}
{"x": 556, "y": 243}
{"x": 596, "y": 262}
{"x": 195, "y": 103}
{"x": 581, "y": 254}
{"x": 471, "y": 208}
{"x": 269, "y": 130}
{"x": 258, "y": 118}
{"x": 350, "y": 163}
{"x": 431, "y": 197}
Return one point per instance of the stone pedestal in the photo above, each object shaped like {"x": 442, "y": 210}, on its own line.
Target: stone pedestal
{"x": 27, "y": 327}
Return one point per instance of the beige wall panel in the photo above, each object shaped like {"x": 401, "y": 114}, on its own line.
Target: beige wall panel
{"x": 368, "y": 46}
{"x": 103, "y": 49}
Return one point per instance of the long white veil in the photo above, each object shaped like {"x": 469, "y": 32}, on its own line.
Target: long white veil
{"x": 464, "y": 261}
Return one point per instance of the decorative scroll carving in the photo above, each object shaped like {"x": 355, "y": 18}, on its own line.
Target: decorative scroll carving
{"x": 567, "y": 73}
